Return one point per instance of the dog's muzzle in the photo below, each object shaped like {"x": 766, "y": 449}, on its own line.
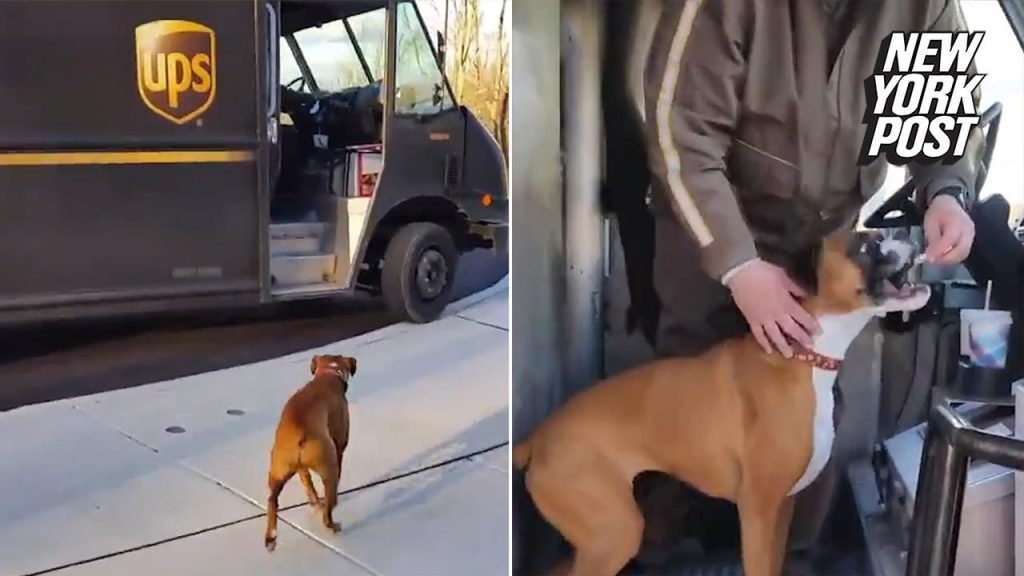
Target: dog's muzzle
{"x": 892, "y": 267}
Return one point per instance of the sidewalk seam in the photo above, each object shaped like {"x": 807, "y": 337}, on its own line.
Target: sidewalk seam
{"x": 482, "y": 323}
{"x": 490, "y": 466}
{"x": 466, "y": 457}
{"x": 185, "y": 466}
{"x": 141, "y": 546}
{"x": 310, "y": 535}
{"x": 116, "y": 429}
{"x": 298, "y": 528}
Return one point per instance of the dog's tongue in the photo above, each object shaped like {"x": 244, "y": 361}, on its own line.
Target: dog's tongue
{"x": 904, "y": 290}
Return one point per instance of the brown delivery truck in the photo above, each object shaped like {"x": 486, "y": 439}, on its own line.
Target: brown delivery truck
{"x": 162, "y": 154}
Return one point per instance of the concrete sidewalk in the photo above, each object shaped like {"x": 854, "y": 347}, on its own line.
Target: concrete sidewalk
{"x": 170, "y": 478}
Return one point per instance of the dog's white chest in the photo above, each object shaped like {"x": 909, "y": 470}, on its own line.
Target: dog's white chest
{"x": 823, "y": 428}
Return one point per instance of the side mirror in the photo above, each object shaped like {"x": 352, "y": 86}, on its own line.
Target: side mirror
{"x": 438, "y": 96}
{"x": 442, "y": 49}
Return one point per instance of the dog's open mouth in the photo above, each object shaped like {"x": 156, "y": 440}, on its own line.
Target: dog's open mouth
{"x": 898, "y": 285}
{"x": 904, "y": 291}
{"x": 890, "y": 268}
{"x": 898, "y": 292}
{"x": 893, "y": 278}
{"x": 890, "y": 262}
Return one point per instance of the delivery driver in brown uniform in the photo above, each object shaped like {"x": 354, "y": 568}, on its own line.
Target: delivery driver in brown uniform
{"x": 754, "y": 115}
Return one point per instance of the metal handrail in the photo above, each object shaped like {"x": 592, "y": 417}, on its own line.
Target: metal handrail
{"x": 950, "y": 443}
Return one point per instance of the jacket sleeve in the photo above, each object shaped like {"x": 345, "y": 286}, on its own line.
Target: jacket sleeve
{"x": 963, "y": 173}
{"x": 695, "y": 71}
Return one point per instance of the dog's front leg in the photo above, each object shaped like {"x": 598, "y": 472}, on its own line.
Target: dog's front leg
{"x": 785, "y": 517}
{"x": 763, "y": 538}
{"x": 329, "y": 472}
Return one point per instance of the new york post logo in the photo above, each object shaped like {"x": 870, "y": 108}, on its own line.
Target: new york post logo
{"x": 176, "y": 68}
{"x": 920, "y": 103}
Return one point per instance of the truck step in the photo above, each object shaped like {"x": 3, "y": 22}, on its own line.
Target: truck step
{"x": 290, "y": 270}
{"x": 297, "y": 229}
{"x": 299, "y": 238}
{"x": 306, "y": 291}
{"x": 295, "y": 246}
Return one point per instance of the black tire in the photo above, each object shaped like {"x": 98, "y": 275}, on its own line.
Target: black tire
{"x": 419, "y": 270}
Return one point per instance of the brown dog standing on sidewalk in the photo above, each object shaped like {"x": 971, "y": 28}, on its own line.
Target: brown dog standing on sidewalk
{"x": 312, "y": 435}
{"x": 735, "y": 423}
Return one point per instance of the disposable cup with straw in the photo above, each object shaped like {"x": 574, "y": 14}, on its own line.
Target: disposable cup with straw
{"x": 984, "y": 334}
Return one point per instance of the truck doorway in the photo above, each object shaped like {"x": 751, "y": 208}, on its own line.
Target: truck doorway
{"x": 336, "y": 120}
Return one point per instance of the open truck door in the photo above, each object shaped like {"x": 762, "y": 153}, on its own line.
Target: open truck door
{"x": 383, "y": 179}
{"x": 443, "y": 188}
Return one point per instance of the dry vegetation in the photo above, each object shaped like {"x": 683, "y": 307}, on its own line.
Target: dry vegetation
{"x": 476, "y": 59}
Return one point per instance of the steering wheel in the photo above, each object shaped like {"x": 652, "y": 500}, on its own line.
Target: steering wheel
{"x": 301, "y": 81}
{"x": 902, "y": 211}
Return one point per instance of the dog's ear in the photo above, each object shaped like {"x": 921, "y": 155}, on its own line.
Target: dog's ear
{"x": 351, "y": 362}
{"x": 312, "y": 364}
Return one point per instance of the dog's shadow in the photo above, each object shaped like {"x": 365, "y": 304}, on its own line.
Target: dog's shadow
{"x": 417, "y": 488}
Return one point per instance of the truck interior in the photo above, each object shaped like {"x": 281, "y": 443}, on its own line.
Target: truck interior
{"x": 330, "y": 101}
{"x": 929, "y": 442}
{"x": 331, "y": 65}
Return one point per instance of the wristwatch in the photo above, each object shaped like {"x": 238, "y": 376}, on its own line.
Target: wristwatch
{"x": 956, "y": 192}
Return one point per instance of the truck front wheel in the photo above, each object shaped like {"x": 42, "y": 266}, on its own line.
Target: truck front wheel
{"x": 419, "y": 269}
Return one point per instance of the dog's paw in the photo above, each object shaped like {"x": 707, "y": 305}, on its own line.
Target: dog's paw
{"x": 270, "y": 543}
{"x": 334, "y": 527}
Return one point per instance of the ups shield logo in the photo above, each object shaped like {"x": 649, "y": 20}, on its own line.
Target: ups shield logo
{"x": 176, "y": 68}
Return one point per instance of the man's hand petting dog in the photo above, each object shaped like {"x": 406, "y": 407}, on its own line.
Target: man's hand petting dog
{"x": 767, "y": 297}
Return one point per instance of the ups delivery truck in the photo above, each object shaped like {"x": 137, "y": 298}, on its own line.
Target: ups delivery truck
{"x": 168, "y": 154}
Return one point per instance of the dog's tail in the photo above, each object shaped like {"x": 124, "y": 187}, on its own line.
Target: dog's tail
{"x": 521, "y": 454}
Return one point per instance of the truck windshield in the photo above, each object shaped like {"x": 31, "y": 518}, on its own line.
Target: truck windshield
{"x": 332, "y": 55}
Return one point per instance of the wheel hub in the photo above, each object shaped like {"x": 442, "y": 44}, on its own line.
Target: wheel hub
{"x": 431, "y": 274}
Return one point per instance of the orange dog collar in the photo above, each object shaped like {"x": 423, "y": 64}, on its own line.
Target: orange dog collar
{"x": 817, "y": 360}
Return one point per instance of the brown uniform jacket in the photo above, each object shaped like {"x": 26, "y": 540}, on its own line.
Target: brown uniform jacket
{"x": 754, "y": 137}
